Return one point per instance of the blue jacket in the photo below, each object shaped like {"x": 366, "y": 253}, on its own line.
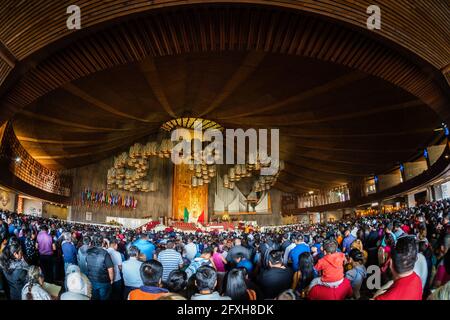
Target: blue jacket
{"x": 296, "y": 252}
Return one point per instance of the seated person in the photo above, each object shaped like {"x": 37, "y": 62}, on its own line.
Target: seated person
{"x": 151, "y": 274}
{"x": 407, "y": 284}
{"x": 206, "y": 281}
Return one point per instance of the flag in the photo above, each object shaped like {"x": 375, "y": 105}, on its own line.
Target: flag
{"x": 201, "y": 218}
{"x": 186, "y": 215}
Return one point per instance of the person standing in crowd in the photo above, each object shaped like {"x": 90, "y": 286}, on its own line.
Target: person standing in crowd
{"x": 82, "y": 254}
{"x": 220, "y": 262}
{"x": 347, "y": 241}
{"x": 46, "y": 248}
{"x": 131, "y": 271}
{"x": 151, "y": 275}
{"x": 204, "y": 259}
{"x": 206, "y": 281}
{"x": 240, "y": 261}
{"x": 190, "y": 249}
{"x": 305, "y": 274}
{"x": 277, "y": 278}
{"x": 398, "y": 231}
{"x": 236, "y": 287}
{"x": 442, "y": 275}
{"x": 177, "y": 282}
{"x": 117, "y": 287}
{"x": 407, "y": 284}
{"x": 170, "y": 260}
{"x": 68, "y": 250}
{"x": 421, "y": 268}
{"x": 33, "y": 289}
{"x": 237, "y": 249}
{"x": 300, "y": 247}
{"x": 100, "y": 270}
{"x": 287, "y": 251}
{"x": 31, "y": 254}
{"x": 15, "y": 270}
{"x": 145, "y": 246}
{"x": 357, "y": 273}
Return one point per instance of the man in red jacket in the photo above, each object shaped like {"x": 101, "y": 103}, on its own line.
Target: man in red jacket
{"x": 407, "y": 284}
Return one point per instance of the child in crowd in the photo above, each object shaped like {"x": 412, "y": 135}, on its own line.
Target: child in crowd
{"x": 332, "y": 264}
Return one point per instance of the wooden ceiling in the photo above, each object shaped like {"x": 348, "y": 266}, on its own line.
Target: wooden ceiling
{"x": 335, "y": 123}
{"x": 348, "y": 102}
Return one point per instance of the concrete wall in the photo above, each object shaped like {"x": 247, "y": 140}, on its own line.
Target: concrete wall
{"x": 413, "y": 169}
{"x": 150, "y": 204}
{"x": 434, "y": 152}
{"x": 386, "y": 181}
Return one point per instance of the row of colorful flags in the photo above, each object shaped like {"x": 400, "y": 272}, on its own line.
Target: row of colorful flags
{"x": 108, "y": 199}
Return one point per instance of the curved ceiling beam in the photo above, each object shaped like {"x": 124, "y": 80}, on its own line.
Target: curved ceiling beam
{"x": 248, "y": 66}
{"x": 83, "y": 143}
{"x": 150, "y": 72}
{"x": 363, "y": 164}
{"x": 318, "y": 147}
{"x": 74, "y": 90}
{"x": 311, "y": 93}
{"x": 82, "y": 154}
{"x": 336, "y": 134}
{"x": 313, "y": 181}
{"x": 69, "y": 123}
{"x": 309, "y": 118}
{"x": 316, "y": 169}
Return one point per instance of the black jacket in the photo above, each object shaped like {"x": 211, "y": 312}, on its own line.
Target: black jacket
{"x": 16, "y": 279}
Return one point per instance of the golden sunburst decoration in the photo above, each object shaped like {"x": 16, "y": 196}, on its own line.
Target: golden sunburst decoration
{"x": 190, "y": 123}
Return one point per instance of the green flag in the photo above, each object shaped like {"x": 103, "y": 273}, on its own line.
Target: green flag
{"x": 186, "y": 215}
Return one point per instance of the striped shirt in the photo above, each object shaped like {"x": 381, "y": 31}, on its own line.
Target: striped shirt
{"x": 170, "y": 260}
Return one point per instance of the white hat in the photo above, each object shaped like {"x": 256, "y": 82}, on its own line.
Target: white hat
{"x": 78, "y": 283}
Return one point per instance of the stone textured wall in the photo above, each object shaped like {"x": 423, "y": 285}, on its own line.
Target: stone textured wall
{"x": 150, "y": 204}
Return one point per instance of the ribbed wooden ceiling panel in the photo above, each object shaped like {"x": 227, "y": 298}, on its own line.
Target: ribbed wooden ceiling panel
{"x": 420, "y": 26}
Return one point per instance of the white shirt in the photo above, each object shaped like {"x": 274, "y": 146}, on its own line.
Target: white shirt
{"x": 190, "y": 250}
{"x": 117, "y": 261}
{"x": 421, "y": 268}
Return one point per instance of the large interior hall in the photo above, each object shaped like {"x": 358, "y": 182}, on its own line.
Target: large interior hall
{"x": 224, "y": 150}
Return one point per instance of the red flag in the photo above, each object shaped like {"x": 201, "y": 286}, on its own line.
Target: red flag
{"x": 201, "y": 218}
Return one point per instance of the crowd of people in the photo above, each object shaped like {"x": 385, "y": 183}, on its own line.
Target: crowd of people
{"x": 394, "y": 256}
